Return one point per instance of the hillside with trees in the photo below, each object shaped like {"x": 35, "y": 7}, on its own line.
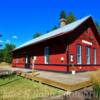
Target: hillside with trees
{"x": 5, "y": 53}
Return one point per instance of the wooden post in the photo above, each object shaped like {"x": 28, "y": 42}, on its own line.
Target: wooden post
{"x": 33, "y": 63}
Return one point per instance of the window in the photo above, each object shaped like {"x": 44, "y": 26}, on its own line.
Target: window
{"x": 94, "y": 56}
{"x": 87, "y": 55}
{"x": 26, "y": 59}
{"x": 78, "y": 54}
{"x": 46, "y": 55}
{"x": 17, "y": 60}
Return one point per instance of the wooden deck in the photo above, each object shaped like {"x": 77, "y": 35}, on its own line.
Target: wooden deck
{"x": 65, "y": 85}
{"x": 63, "y": 81}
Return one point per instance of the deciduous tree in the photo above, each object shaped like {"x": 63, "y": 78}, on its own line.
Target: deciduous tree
{"x": 5, "y": 54}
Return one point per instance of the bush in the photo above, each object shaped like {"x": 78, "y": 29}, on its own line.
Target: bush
{"x": 95, "y": 78}
{"x": 96, "y": 91}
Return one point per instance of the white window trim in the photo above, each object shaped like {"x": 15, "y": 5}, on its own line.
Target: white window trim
{"x": 94, "y": 56}
{"x": 26, "y": 59}
{"x": 88, "y": 56}
{"x": 46, "y": 54}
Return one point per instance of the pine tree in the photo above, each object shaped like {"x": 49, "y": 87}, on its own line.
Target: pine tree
{"x": 70, "y": 18}
{"x": 62, "y": 14}
{"x": 97, "y": 26}
{"x": 0, "y": 36}
{"x": 54, "y": 28}
{"x": 36, "y": 35}
{"x": 1, "y": 55}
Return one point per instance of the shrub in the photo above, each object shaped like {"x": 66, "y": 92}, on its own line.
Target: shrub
{"x": 96, "y": 90}
{"x": 95, "y": 78}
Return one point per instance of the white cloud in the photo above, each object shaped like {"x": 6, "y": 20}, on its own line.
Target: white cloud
{"x": 1, "y": 41}
{"x": 7, "y": 41}
{"x": 15, "y": 37}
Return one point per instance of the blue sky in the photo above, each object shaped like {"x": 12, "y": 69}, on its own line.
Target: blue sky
{"x": 20, "y": 19}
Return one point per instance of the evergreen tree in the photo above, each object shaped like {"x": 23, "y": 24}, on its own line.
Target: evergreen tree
{"x": 70, "y": 18}
{"x": 1, "y": 55}
{"x": 54, "y": 28}
{"x": 36, "y": 35}
{"x": 62, "y": 14}
{"x": 97, "y": 26}
{"x": 0, "y": 36}
{"x": 47, "y": 31}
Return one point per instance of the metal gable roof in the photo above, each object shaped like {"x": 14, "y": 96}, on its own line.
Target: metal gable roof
{"x": 56, "y": 32}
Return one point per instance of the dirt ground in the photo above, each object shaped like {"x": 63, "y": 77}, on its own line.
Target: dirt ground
{"x": 5, "y": 65}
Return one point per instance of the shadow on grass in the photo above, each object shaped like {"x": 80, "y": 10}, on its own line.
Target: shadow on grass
{"x": 10, "y": 79}
{"x": 7, "y": 76}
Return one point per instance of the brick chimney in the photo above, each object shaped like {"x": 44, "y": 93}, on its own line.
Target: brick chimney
{"x": 62, "y": 22}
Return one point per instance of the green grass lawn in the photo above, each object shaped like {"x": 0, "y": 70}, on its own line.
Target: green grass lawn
{"x": 17, "y": 88}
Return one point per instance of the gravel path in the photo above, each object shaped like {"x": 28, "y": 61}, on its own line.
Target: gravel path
{"x": 65, "y": 78}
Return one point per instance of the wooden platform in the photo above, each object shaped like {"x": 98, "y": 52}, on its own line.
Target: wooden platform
{"x": 60, "y": 80}
{"x": 64, "y": 84}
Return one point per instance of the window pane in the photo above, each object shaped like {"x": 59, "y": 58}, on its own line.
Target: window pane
{"x": 78, "y": 49}
{"x": 26, "y": 60}
{"x": 78, "y": 54}
{"x": 46, "y": 55}
{"x": 87, "y": 55}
